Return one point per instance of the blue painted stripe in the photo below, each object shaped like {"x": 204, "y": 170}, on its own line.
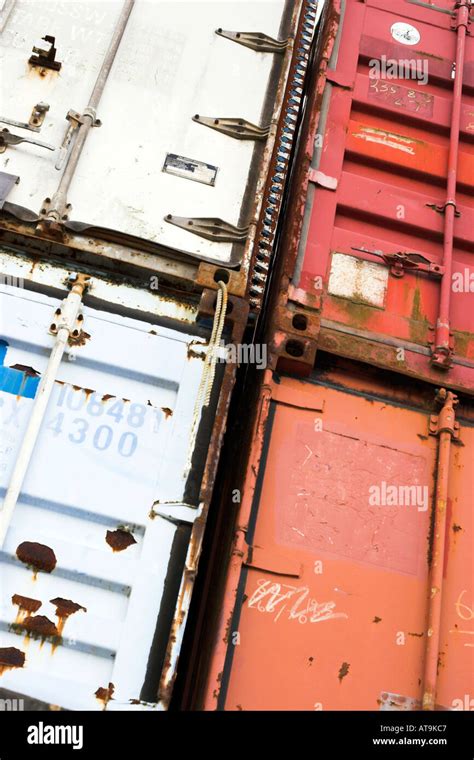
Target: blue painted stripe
{"x": 15, "y": 381}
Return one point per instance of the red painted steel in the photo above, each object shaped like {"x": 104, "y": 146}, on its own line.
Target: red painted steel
{"x": 381, "y": 220}
{"x": 328, "y": 601}
{"x": 350, "y": 578}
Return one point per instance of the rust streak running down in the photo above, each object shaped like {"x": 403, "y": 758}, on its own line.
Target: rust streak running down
{"x": 65, "y": 608}
{"x": 40, "y": 625}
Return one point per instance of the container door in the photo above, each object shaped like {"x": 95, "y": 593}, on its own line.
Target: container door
{"x": 102, "y": 526}
{"x": 331, "y": 607}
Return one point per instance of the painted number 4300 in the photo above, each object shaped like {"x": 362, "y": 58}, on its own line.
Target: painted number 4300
{"x": 102, "y": 436}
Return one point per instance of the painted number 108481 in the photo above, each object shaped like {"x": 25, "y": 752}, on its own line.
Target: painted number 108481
{"x": 114, "y": 413}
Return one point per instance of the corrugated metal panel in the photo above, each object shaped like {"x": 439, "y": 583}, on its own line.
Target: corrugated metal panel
{"x": 153, "y": 157}
{"x": 92, "y": 562}
{"x": 369, "y": 229}
{"x": 326, "y": 600}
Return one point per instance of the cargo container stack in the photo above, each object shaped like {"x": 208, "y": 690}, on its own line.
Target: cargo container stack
{"x": 347, "y": 580}
{"x": 144, "y": 150}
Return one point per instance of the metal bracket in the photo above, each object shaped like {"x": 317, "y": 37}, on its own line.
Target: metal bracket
{"x": 210, "y": 228}
{"x": 234, "y": 127}
{"x": 258, "y": 41}
{"x": 441, "y": 209}
{"x": 75, "y": 120}
{"x": 46, "y": 207}
{"x": 62, "y": 316}
{"x": 410, "y": 261}
{"x": 46, "y": 55}
{"x": 6, "y": 183}
{"x": 7, "y": 138}
{"x": 445, "y": 421}
{"x": 36, "y": 119}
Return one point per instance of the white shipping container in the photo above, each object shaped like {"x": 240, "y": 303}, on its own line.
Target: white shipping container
{"x": 151, "y": 156}
{"x": 100, "y": 537}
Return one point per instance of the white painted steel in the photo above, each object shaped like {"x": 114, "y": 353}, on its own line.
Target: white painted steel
{"x": 66, "y": 324}
{"x": 103, "y": 457}
{"x": 169, "y": 66}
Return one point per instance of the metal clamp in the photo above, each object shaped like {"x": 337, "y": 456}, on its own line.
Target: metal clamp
{"x": 7, "y": 138}
{"x": 442, "y": 208}
{"x": 36, "y": 119}
{"x": 234, "y": 127}
{"x": 45, "y": 57}
{"x": 401, "y": 261}
{"x": 210, "y": 228}
{"x": 258, "y": 41}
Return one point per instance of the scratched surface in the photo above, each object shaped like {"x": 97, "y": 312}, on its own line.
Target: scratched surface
{"x": 351, "y": 625}
{"x": 325, "y": 507}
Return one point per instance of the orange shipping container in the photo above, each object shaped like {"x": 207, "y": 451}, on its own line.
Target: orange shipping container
{"x": 328, "y": 602}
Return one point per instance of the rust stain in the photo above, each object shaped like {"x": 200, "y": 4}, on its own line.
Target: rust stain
{"x": 28, "y": 371}
{"x": 26, "y": 606}
{"x": 376, "y": 619}
{"x": 105, "y": 694}
{"x": 107, "y": 396}
{"x": 11, "y": 657}
{"x": 39, "y": 626}
{"x": 167, "y": 411}
{"x": 36, "y": 556}
{"x": 119, "y": 539}
{"x": 418, "y": 635}
{"x": 456, "y": 528}
{"x": 80, "y": 339}
{"x": 343, "y": 671}
{"x": 65, "y": 608}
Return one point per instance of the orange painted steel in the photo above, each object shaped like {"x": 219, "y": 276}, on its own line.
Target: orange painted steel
{"x": 326, "y": 602}
{"x": 445, "y": 427}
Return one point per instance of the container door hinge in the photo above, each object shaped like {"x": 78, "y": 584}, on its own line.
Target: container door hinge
{"x": 210, "y": 228}
{"x": 258, "y": 41}
{"x": 240, "y": 129}
{"x": 63, "y": 315}
{"x": 272, "y": 561}
{"x": 445, "y": 421}
{"x": 45, "y": 57}
{"x": 402, "y": 261}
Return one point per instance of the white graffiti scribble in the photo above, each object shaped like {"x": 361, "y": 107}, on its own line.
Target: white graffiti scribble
{"x": 275, "y": 598}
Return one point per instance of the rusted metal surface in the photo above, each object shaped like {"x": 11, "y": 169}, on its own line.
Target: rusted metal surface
{"x": 119, "y": 539}
{"x": 298, "y": 52}
{"x": 104, "y": 569}
{"x": 178, "y": 71}
{"x": 338, "y": 606}
{"x": 380, "y": 223}
{"x": 36, "y": 556}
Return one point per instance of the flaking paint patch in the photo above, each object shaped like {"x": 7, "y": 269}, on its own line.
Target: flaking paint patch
{"x": 362, "y": 281}
{"x": 388, "y": 139}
